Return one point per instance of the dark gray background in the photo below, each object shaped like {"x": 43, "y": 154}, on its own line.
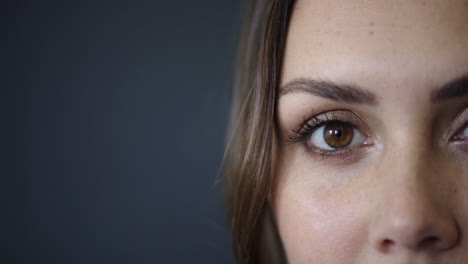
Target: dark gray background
{"x": 113, "y": 123}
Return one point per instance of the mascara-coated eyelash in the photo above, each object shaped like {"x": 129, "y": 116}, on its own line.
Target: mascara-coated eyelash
{"x": 330, "y": 134}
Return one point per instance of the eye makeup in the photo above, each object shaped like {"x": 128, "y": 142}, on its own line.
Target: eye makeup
{"x": 345, "y": 123}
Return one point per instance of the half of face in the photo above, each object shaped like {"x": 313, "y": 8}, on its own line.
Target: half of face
{"x": 372, "y": 151}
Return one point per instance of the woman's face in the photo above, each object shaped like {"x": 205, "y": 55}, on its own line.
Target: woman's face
{"x": 371, "y": 149}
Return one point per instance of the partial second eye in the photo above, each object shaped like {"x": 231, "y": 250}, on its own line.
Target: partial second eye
{"x": 336, "y": 135}
{"x": 463, "y": 135}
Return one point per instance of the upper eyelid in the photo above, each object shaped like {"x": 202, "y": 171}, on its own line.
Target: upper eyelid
{"x": 320, "y": 123}
{"x": 337, "y": 115}
{"x": 316, "y": 122}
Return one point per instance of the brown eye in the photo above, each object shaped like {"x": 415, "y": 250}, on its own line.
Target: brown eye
{"x": 336, "y": 135}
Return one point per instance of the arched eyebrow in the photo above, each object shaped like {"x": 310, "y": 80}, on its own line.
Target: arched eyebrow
{"x": 451, "y": 90}
{"x": 347, "y": 93}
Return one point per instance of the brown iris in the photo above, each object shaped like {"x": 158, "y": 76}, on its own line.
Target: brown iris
{"x": 338, "y": 135}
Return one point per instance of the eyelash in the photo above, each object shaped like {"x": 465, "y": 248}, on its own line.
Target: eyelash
{"x": 308, "y": 126}
{"x": 302, "y": 134}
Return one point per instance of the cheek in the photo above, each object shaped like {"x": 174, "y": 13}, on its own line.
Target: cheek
{"x": 320, "y": 225}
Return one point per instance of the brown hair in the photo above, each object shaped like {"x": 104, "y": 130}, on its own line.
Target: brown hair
{"x": 248, "y": 152}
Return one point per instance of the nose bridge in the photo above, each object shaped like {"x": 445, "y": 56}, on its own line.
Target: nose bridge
{"x": 407, "y": 171}
{"x": 406, "y": 194}
{"x": 410, "y": 207}
{"x": 409, "y": 165}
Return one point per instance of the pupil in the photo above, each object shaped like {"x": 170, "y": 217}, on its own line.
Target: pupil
{"x": 338, "y": 133}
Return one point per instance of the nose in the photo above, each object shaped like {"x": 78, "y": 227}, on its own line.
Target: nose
{"x": 416, "y": 231}
{"x": 411, "y": 213}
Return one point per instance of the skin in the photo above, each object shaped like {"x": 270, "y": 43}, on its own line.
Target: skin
{"x": 401, "y": 197}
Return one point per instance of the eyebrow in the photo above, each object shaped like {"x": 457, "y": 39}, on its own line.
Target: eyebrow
{"x": 451, "y": 90}
{"x": 347, "y": 93}
{"x": 353, "y": 94}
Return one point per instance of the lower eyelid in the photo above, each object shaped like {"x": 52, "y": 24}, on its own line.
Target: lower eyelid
{"x": 344, "y": 157}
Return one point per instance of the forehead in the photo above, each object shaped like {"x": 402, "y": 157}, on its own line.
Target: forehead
{"x": 409, "y": 43}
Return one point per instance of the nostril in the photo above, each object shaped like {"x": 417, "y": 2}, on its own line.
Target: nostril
{"x": 430, "y": 242}
{"x": 386, "y": 245}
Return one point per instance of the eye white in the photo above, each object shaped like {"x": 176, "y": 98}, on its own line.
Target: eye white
{"x": 317, "y": 139}
{"x": 465, "y": 132}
